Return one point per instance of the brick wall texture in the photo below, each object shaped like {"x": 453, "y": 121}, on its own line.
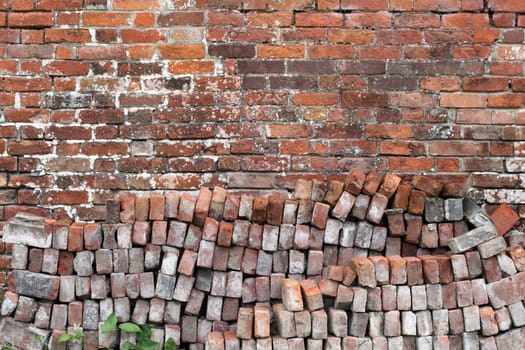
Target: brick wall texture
{"x": 101, "y": 96}
{"x": 370, "y": 263}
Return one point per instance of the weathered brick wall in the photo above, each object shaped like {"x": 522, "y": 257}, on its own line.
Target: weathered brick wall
{"x": 100, "y": 96}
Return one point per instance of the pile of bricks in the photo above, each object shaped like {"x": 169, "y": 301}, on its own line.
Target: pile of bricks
{"x": 374, "y": 262}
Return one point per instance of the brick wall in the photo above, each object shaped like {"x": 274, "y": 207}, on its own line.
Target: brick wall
{"x": 102, "y": 96}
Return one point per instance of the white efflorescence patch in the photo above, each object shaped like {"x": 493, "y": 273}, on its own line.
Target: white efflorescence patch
{"x": 504, "y": 196}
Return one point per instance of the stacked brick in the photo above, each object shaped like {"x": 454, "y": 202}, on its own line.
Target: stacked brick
{"x": 373, "y": 262}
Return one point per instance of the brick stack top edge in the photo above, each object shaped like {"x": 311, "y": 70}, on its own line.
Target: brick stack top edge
{"x": 366, "y": 262}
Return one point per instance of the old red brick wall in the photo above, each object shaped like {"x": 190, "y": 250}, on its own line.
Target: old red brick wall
{"x": 103, "y": 96}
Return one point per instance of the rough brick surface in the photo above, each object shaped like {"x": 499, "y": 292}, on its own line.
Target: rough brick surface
{"x": 328, "y": 274}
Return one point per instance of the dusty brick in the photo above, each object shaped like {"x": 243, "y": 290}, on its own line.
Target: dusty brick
{"x": 304, "y": 211}
{"x": 337, "y": 322}
{"x": 202, "y": 206}
{"x": 259, "y": 210}
{"x": 292, "y": 298}
{"x": 472, "y": 238}
{"x": 270, "y": 238}
{"x": 303, "y": 189}
{"x": 491, "y": 269}
{"x": 171, "y": 205}
{"x": 320, "y": 215}
{"x": 290, "y": 211}
{"x": 396, "y": 223}
{"x": 504, "y": 218}
{"x": 186, "y": 208}
{"x": 517, "y": 253}
{"x": 365, "y": 271}
{"x": 382, "y": 268}
{"x": 377, "y": 208}
{"x": 245, "y": 323}
{"x": 217, "y": 204}
{"x": 98, "y": 287}
{"x": 506, "y": 264}
{"x": 360, "y": 208}
{"x": 312, "y": 295}
{"x": 28, "y": 229}
{"x": 363, "y": 235}
{"x": 416, "y": 204}
{"x": 231, "y": 207}
{"x": 398, "y": 273}
{"x": 492, "y": 247}
{"x": 245, "y": 207}
{"x": 343, "y": 206}
{"x": 389, "y": 185}
{"x": 401, "y": 198}
{"x": 355, "y": 181}
{"x": 159, "y": 232}
{"x": 335, "y": 189}
{"x": 177, "y": 234}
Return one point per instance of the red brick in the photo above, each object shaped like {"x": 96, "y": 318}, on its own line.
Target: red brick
{"x": 259, "y": 211}
{"x": 504, "y": 218}
{"x": 396, "y": 222}
{"x": 76, "y": 238}
{"x": 334, "y": 191}
{"x": 30, "y": 19}
{"x": 372, "y": 182}
{"x": 313, "y": 19}
{"x": 445, "y": 269}
{"x": 156, "y": 207}
{"x": 414, "y": 270}
{"x": 398, "y": 273}
{"x": 417, "y": 202}
{"x": 401, "y": 198}
{"x": 141, "y": 233}
{"x": 320, "y": 215}
{"x": 370, "y": 20}
{"x": 92, "y": 237}
{"x": 389, "y": 185}
{"x": 430, "y": 269}
{"x": 365, "y": 271}
{"x": 224, "y": 235}
{"x": 275, "y": 211}
{"x": 354, "y": 182}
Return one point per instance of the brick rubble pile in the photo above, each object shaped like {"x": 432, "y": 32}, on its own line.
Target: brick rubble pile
{"x": 371, "y": 263}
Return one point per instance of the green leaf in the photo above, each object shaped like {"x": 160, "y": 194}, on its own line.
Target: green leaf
{"x": 129, "y": 346}
{"x": 144, "y": 334}
{"x": 129, "y": 327}
{"x": 148, "y": 345}
{"x": 110, "y": 325}
{"x": 170, "y": 344}
{"x": 65, "y": 337}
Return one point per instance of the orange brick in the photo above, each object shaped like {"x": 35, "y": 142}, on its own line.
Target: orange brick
{"x": 280, "y": 51}
{"x": 463, "y": 100}
{"x": 274, "y": 19}
{"x": 466, "y": 20}
{"x": 372, "y": 20}
{"x": 318, "y": 19}
{"x": 440, "y": 84}
{"x": 175, "y": 51}
{"x": 131, "y": 5}
{"x": 105, "y": 19}
{"x": 365, "y": 5}
{"x": 355, "y": 36}
{"x": 331, "y": 51}
{"x": 316, "y": 98}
